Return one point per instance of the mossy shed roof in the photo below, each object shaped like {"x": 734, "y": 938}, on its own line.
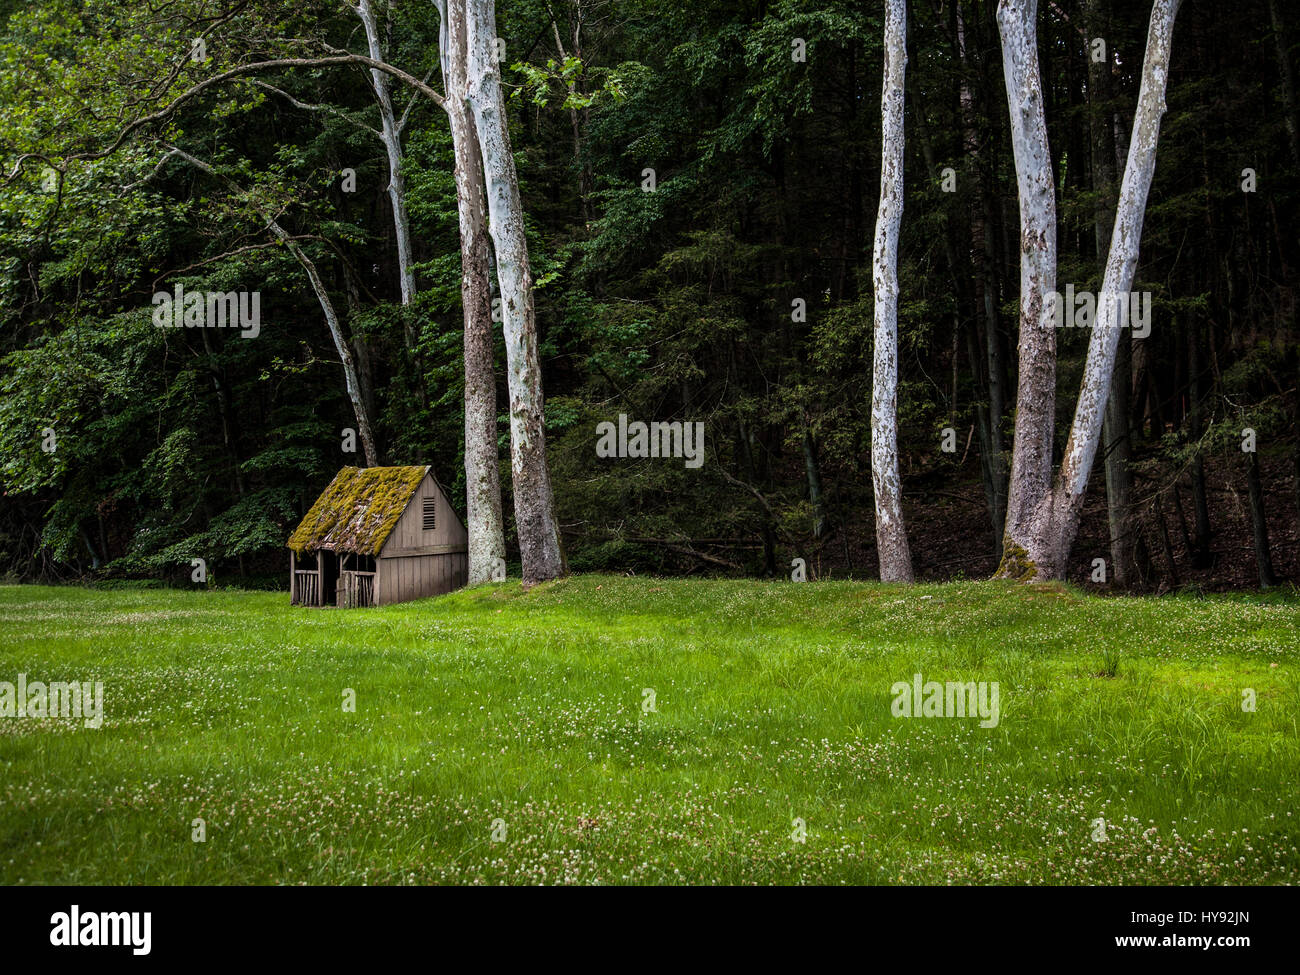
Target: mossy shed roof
{"x": 358, "y": 511}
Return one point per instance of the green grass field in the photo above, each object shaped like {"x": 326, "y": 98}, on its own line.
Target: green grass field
{"x": 772, "y": 703}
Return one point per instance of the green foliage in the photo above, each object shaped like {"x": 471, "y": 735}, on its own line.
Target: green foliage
{"x": 761, "y": 125}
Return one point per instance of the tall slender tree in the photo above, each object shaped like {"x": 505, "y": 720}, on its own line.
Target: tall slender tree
{"x": 1043, "y": 516}
{"x": 1116, "y": 443}
{"x": 539, "y": 533}
{"x": 390, "y": 133}
{"x": 487, "y": 546}
{"x": 891, "y": 534}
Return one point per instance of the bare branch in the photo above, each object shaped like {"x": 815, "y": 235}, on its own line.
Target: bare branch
{"x": 265, "y": 245}
{"x": 406, "y": 113}
{"x": 162, "y": 163}
{"x": 309, "y": 107}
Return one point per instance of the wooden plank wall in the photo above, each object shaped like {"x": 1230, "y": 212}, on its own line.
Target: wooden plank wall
{"x": 403, "y": 577}
{"x": 417, "y": 576}
{"x": 409, "y": 532}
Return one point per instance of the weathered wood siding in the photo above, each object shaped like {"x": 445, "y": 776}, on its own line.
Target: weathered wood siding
{"x": 410, "y": 533}
{"x": 415, "y": 563}
{"x": 417, "y": 576}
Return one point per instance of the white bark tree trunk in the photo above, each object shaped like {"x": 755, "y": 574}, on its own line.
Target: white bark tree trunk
{"x": 391, "y": 135}
{"x": 487, "y": 543}
{"x": 1031, "y": 459}
{"x": 351, "y": 381}
{"x": 1121, "y": 265}
{"x": 891, "y": 535}
{"x": 539, "y": 535}
{"x": 1042, "y": 517}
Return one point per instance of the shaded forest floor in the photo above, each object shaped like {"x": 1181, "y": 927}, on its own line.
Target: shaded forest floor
{"x": 951, "y": 535}
{"x": 606, "y": 729}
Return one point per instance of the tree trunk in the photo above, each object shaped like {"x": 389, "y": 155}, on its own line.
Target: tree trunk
{"x": 391, "y": 136}
{"x": 1292, "y": 120}
{"x": 487, "y": 543}
{"x": 1121, "y": 266}
{"x": 984, "y": 254}
{"x": 350, "y": 378}
{"x": 1043, "y": 518}
{"x": 1291, "y": 115}
{"x": 988, "y": 475}
{"x": 1116, "y": 445}
{"x": 1026, "y": 548}
{"x": 891, "y": 535}
{"x": 1164, "y": 542}
{"x": 539, "y": 535}
{"x": 1202, "y": 557}
{"x": 1118, "y": 451}
{"x": 812, "y": 471}
{"x": 1259, "y": 522}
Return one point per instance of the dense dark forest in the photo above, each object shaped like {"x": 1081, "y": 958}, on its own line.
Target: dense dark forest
{"x": 700, "y": 183}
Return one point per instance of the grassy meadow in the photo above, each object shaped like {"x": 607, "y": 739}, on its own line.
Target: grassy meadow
{"x": 500, "y": 736}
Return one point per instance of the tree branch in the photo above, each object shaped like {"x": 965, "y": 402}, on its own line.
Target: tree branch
{"x": 308, "y": 107}
{"x": 163, "y": 114}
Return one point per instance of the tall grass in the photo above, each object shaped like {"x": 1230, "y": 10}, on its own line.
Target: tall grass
{"x": 772, "y": 702}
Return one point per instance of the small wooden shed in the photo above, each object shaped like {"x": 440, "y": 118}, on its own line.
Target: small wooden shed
{"x": 378, "y": 535}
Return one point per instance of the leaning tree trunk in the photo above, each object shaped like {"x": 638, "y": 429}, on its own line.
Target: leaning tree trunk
{"x": 1121, "y": 266}
{"x": 539, "y": 534}
{"x": 487, "y": 543}
{"x": 1044, "y": 518}
{"x": 350, "y": 377}
{"x": 1025, "y": 542}
{"x": 391, "y": 136}
{"x": 1117, "y": 447}
{"x": 891, "y": 535}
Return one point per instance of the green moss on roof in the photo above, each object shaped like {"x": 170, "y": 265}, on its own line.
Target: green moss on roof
{"x": 358, "y": 511}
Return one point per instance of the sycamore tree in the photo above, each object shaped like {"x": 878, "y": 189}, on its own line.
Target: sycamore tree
{"x": 891, "y": 534}
{"x": 482, "y": 480}
{"x": 539, "y": 531}
{"x": 1043, "y": 512}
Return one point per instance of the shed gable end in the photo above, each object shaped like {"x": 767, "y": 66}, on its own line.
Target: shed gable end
{"x": 429, "y": 504}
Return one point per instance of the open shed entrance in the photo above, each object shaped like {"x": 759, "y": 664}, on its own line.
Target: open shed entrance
{"x": 326, "y": 578}
{"x": 356, "y": 581}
